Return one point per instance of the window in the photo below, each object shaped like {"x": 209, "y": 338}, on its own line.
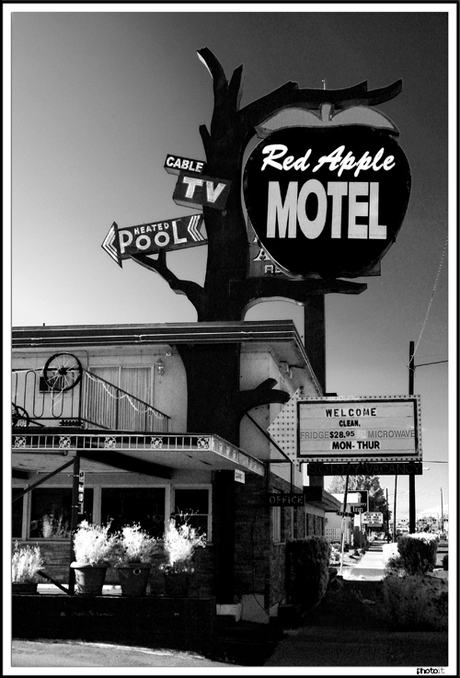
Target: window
{"x": 16, "y": 519}
{"x": 282, "y": 523}
{"x": 138, "y": 381}
{"x": 276, "y": 523}
{"x": 130, "y": 505}
{"x": 52, "y": 509}
{"x": 194, "y": 503}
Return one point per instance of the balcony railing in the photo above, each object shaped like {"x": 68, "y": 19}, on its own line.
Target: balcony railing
{"x": 92, "y": 403}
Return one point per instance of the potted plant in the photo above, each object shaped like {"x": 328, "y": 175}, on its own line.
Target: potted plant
{"x": 135, "y": 553}
{"x": 27, "y": 561}
{"x": 94, "y": 550}
{"x": 180, "y": 543}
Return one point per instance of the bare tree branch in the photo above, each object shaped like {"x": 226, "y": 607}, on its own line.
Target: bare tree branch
{"x": 192, "y": 290}
{"x": 263, "y": 394}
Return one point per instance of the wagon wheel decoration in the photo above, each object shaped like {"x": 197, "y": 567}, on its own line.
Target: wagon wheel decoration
{"x": 19, "y": 415}
{"x": 62, "y": 372}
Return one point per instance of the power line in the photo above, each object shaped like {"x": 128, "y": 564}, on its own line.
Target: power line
{"x": 432, "y": 297}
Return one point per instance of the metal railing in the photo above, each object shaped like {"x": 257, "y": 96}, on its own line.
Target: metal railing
{"x": 92, "y": 403}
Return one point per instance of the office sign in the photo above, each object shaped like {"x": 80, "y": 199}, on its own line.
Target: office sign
{"x": 150, "y": 238}
{"x": 371, "y": 428}
{"x": 285, "y": 499}
{"x": 327, "y": 201}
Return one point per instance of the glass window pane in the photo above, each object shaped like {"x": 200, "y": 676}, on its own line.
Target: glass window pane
{"x": 51, "y": 512}
{"x": 126, "y": 506}
{"x": 16, "y": 528}
{"x": 191, "y": 501}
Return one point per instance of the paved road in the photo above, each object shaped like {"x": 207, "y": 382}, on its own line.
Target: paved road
{"x": 49, "y": 653}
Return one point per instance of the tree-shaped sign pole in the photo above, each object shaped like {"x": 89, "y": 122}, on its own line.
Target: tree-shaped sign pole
{"x": 215, "y": 402}
{"x": 228, "y": 289}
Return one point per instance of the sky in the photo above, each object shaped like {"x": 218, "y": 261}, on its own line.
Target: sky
{"x": 100, "y": 94}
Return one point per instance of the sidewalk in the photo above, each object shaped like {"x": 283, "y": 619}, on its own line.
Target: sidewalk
{"x": 346, "y": 629}
{"x": 371, "y": 567}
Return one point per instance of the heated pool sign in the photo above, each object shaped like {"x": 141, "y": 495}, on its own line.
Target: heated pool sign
{"x": 150, "y": 238}
{"x": 359, "y": 429}
{"x": 327, "y": 201}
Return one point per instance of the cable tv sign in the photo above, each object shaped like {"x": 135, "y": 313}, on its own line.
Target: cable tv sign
{"x": 327, "y": 200}
{"x": 356, "y": 430}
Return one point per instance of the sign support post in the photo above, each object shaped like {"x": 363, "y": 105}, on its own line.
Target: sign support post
{"x": 345, "y": 498}
{"x": 412, "y": 475}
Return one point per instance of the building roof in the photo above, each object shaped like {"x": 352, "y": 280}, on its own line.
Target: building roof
{"x": 282, "y": 335}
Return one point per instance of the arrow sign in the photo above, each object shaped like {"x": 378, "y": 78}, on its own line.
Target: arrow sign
{"x": 173, "y": 234}
{"x": 110, "y": 244}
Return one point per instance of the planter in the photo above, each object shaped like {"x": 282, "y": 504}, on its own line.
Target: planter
{"x": 89, "y": 579}
{"x": 177, "y": 584}
{"x": 24, "y": 589}
{"x": 134, "y": 578}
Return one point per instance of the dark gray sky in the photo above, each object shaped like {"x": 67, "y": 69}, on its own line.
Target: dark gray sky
{"x": 99, "y": 98}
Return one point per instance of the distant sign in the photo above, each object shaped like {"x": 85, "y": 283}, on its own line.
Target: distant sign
{"x": 172, "y": 234}
{"x": 193, "y": 190}
{"x": 175, "y": 165}
{"x": 373, "y": 519}
{"x": 81, "y": 491}
{"x": 359, "y": 429}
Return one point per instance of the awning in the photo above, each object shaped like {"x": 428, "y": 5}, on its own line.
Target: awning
{"x": 152, "y": 454}
{"x": 316, "y": 495}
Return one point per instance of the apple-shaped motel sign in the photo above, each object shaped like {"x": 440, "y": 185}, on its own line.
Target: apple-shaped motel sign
{"x": 327, "y": 201}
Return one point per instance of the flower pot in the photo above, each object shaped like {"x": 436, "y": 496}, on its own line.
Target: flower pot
{"x": 24, "y": 589}
{"x": 89, "y": 579}
{"x": 134, "y": 578}
{"x": 177, "y": 584}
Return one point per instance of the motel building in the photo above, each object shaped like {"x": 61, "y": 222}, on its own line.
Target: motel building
{"x": 115, "y": 397}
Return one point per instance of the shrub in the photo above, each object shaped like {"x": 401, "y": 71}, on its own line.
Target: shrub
{"x": 180, "y": 543}
{"x": 55, "y": 526}
{"x": 93, "y": 545}
{"x": 418, "y": 552}
{"x": 415, "y": 603}
{"x": 307, "y": 570}
{"x": 135, "y": 545}
{"x": 25, "y": 564}
{"x": 394, "y": 565}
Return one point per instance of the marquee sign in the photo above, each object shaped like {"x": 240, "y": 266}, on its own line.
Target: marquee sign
{"x": 367, "y": 468}
{"x": 172, "y": 234}
{"x": 327, "y": 200}
{"x": 359, "y": 429}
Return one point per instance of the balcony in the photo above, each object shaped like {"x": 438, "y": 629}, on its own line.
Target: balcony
{"x": 92, "y": 403}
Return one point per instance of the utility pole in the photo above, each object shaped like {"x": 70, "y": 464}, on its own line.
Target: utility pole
{"x": 394, "y": 510}
{"x": 411, "y": 475}
{"x": 387, "y": 531}
{"x": 442, "y": 514}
